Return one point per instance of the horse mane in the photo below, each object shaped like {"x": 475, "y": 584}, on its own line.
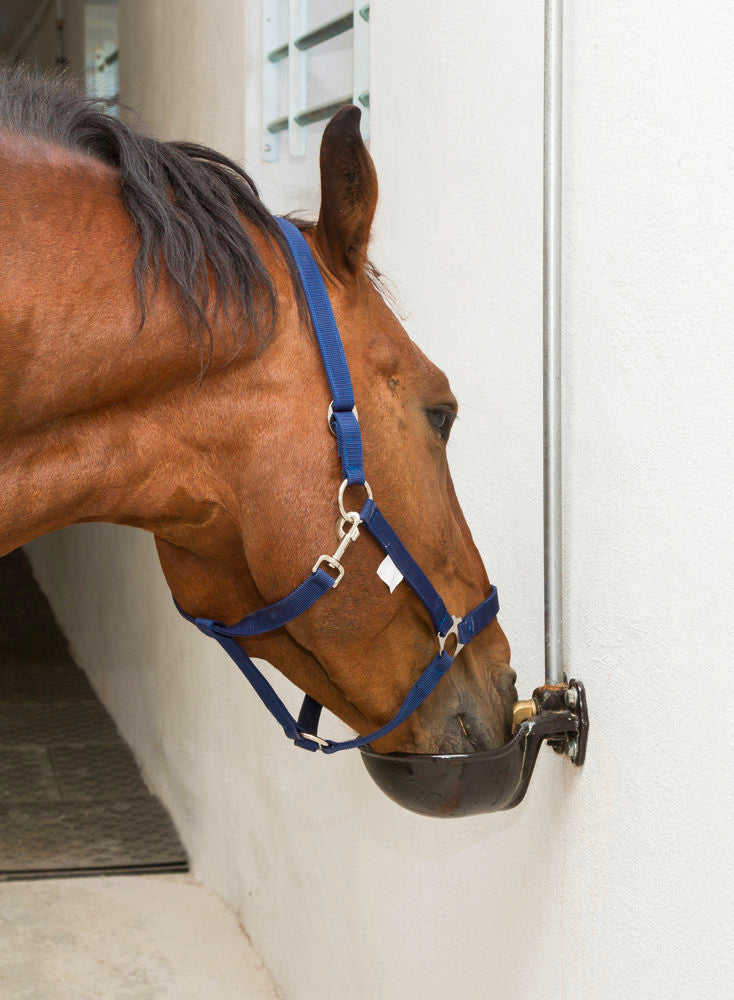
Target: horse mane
{"x": 184, "y": 202}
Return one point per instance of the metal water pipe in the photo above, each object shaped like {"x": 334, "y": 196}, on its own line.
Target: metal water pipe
{"x": 552, "y": 493}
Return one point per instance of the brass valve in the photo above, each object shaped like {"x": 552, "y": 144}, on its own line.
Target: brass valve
{"x": 523, "y": 710}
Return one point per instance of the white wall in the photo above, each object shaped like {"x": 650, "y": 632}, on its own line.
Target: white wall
{"x": 609, "y": 882}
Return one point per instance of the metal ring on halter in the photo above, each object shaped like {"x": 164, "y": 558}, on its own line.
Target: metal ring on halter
{"x": 330, "y": 414}
{"x": 332, "y": 563}
{"x": 316, "y": 739}
{"x": 345, "y": 513}
{"x": 454, "y": 630}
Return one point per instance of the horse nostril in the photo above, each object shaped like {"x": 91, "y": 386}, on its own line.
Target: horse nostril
{"x": 506, "y": 680}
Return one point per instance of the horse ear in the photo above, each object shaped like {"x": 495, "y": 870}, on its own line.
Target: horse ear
{"x": 348, "y": 194}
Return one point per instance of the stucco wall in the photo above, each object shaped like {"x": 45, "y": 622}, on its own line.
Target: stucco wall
{"x": 610, "y": 882}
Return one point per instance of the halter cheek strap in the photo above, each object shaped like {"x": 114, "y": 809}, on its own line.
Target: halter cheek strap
{"x": 345, "y": 425}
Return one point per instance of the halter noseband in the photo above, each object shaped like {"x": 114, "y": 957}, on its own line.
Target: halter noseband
{"x": 344, "y": 423}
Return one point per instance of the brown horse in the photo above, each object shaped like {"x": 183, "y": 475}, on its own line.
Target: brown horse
{"x": 158, "y": 370}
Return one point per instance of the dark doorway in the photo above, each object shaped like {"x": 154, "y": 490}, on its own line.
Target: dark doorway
{"x": 72, "y": 800}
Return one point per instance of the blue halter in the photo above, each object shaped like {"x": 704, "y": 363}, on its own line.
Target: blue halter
{"x": 343, "y": 421}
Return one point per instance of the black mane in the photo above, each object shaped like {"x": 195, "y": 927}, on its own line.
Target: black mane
{"x": 184, "y": 202}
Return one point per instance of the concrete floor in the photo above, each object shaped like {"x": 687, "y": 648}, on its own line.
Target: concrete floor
{"x": 150, "y": 937}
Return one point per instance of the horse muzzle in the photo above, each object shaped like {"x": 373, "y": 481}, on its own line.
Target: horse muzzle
{"x": 470, "y": 711}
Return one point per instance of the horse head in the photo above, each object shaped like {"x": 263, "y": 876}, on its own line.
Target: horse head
{"x": 271, "y": 480}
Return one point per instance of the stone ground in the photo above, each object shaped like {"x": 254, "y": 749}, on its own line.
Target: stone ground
{"x": 149, "y": 937}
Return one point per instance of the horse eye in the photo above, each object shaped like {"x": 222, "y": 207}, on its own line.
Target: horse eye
{"x": 441, "y": 421}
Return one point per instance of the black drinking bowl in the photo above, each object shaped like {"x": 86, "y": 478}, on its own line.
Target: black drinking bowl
{"x": 465, "y": 784}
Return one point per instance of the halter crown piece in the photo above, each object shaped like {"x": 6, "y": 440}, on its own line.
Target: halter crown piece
{"x": 345, "y": 425}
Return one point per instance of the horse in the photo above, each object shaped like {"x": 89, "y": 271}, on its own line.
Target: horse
{"x": 159, "y": 370}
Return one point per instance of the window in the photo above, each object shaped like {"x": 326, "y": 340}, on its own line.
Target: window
{"x": 315, "y": 59}
{"x": 100, "y": 51}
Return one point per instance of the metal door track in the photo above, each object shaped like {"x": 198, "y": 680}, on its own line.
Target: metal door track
{"x": 166, "y": 868}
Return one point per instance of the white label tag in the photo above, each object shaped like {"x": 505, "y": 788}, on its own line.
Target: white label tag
{"x": 389, "y": 573}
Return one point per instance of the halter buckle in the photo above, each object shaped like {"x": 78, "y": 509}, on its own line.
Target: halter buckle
{"x": 454, "y": 630}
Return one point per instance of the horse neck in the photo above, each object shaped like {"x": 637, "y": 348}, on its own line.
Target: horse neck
{"x": 82, "y": 392}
